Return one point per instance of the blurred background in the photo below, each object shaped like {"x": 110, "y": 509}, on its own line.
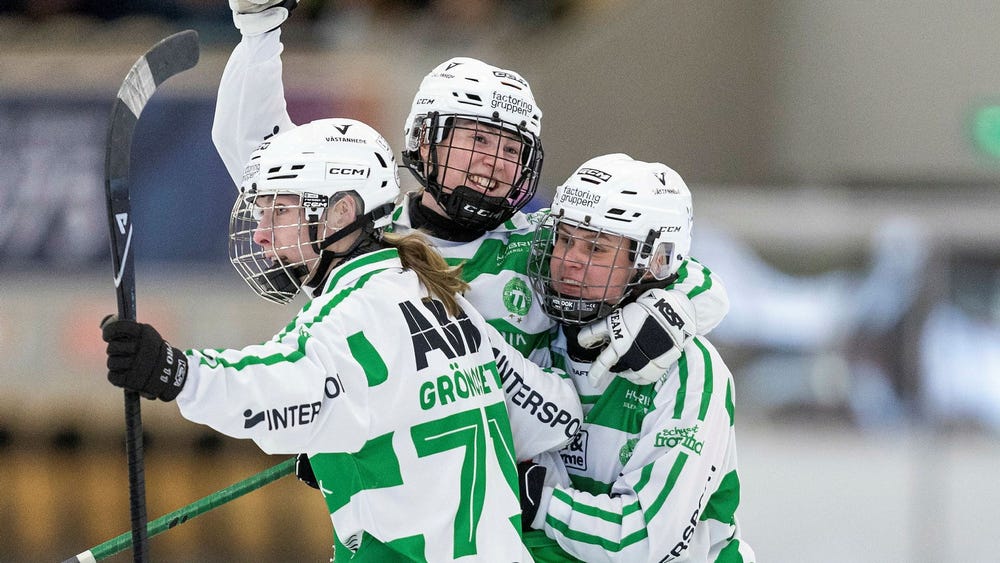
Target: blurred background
{"x": 845, "y": 163}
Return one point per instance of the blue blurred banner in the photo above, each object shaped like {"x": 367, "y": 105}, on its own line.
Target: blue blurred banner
{"x": 52, "y": 205}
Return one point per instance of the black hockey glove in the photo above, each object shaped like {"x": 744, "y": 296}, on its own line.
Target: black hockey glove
{"x": 140, "y": 360}
{"x": 530, "y": 479}
{"x": 304, "y": 471}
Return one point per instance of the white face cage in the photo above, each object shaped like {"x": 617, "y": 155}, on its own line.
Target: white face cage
{"x": 271, "y": 243}
{"x": 583, "y": 273}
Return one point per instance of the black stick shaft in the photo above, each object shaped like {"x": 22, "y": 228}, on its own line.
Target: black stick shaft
{"x": 170, "y": 56}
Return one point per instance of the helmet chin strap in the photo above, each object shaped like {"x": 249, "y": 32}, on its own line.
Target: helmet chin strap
{"x": 364, "y": 223}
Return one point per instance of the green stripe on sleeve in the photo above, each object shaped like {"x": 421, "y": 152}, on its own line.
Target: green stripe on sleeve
{"x": 682, "y": 375}
{"x": 366, "y": 355}
{"x": 584, "y": 537}
{"x": 706, "y": 394}
{"x": 705, "y": 286}
{"x": 730, "y": 404}
{"x": 614, "y": 517}
{"x": 212, "y": 360}
{"x": 668, "y": 486}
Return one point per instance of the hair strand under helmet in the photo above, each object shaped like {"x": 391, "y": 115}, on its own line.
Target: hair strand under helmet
{"x": 468, "y": 94}
{"x": 647, "y": 203}
{"x": 320, "y": 163}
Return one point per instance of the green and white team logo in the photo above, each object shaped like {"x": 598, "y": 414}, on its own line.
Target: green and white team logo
{"x": 517, "y": 297}
{"x": 684, "y": 437}
{"x": 625, "y": 453}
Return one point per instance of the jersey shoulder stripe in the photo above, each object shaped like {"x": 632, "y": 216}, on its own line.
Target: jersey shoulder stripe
{"x": 698, "y": 379}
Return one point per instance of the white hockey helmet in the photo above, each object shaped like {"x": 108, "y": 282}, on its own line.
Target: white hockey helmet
{"x": 320, "y": 163}
{"x": 646, "y": 202}
{"x": 466, "y": 93}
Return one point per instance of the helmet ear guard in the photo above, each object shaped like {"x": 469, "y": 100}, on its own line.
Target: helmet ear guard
{"x": 660, "y": 263}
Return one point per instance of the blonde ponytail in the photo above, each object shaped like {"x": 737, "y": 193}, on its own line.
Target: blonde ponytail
{"x": 441, "y": 280}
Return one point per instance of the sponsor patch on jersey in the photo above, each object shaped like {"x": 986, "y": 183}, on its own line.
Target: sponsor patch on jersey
{"x": 513, "y": 249}
{"x": 574, "y": 455}
{"x": 291, "y": 416}
{"x": 638, "y": 400}
{"x": 683, "y": 437}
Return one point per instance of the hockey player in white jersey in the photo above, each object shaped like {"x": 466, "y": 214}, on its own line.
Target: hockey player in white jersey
{"x": 472, "y": 140}
{"x": 652, "y": 475}
{"x": 389, "y": 380}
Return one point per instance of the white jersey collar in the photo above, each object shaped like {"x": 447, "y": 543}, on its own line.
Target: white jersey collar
{"x": 354, "y": 269}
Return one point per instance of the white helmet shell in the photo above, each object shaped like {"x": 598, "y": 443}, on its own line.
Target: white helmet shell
{"x": 470, "y": 87}
{"x": 323, "y": 158}
{"x": 647, "y": 202}
{"x": 470, "y": 95}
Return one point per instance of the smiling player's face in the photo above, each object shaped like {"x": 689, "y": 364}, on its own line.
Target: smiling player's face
{"x": 590, "y": 265}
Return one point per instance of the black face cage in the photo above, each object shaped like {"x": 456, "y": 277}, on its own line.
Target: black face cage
{"x": 467, "y": 205}
{"x": 591, "y": 295}
{"x": 275, "y": 273}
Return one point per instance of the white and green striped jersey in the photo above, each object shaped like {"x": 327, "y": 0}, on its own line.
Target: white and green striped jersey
{"x": 652, "y": 474}
{"x": 402, "y": 409}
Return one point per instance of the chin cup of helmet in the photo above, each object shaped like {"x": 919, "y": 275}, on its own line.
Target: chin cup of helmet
{"x": 277, "y": 285}
{"x": 474, "y": 210}
{"x": 571, "y": 310}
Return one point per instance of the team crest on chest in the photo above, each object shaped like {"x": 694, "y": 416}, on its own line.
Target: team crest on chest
{"x": 517, "y": 297}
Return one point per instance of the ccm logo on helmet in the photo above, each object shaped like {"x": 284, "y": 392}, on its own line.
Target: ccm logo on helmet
{"x": 352, "y": 171}
{"x": 594, "y": 173}
{"x": 514, "y": 77}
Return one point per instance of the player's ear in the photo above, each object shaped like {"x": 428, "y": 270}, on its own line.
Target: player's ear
{"x": 343, "y": 212}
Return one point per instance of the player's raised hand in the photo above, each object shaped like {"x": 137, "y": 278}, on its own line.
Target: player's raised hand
{"x": 254, "y": 17}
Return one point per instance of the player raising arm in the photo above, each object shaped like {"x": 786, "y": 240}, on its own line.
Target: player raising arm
{"x": 652, "y": 476}
{"x": 389, "y": 380}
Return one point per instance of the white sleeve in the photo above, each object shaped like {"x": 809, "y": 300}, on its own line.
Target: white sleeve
{"x": 279, "y": 394}
{"x": 542, "y": 403}
{"x": 251, "y": 101}
{"x": 706, "y": 293}
{"x": 654, "y": 507}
